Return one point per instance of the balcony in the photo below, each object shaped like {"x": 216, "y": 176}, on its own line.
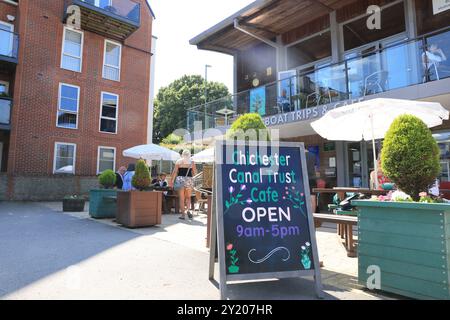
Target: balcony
{"x": 116, "y": 19}
{"x": 309, "y": 95}
{"x": 9, "y": 48}
{"x": 5, "y": 113}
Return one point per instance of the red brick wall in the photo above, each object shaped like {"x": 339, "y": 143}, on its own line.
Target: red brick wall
{"x": 38, "y": 75}
{"x": 9, "y": 9}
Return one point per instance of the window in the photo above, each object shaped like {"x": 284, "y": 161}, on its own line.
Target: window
{"x": 6, "y": 39}
{"x": 106, "y": 159}
{"x": 109, "y": 112}
{"x": 111, "y": 65}
{"x": 64, "y": 158}
{"x": 310, "y": 50}
{"x": 4, "y": 88}
{"x": 68, "y": 103}
{"x": 356, "y": 33}
{"x": 72, "y": 50}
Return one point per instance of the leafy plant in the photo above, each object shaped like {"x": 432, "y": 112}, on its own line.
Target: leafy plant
{"x": 172, "y": 139}
{"x": 410, "y": 155}
{"x": 107, "y": 179}
{"x": 141, "y": 179}
{"x": 249, "y": 126}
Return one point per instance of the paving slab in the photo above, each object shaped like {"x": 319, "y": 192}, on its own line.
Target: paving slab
{"x": 47, "y": 254}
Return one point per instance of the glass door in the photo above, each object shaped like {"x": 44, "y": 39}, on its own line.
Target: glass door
{"x": 359, "y": 164}
{"x": 6, "y": 39}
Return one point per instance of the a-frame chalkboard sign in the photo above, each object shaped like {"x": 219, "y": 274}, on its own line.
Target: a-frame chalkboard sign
{"x": 262, "y": 218}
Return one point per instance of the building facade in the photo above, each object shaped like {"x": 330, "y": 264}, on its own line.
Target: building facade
{"x": 75, "y": 81}
{"x": 294, "y": 60}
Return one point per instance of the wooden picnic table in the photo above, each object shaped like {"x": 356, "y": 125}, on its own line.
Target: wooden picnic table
{"x": 350, "y": 190}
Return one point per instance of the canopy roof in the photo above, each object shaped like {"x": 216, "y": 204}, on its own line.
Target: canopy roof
{"x": 266, "y": 18}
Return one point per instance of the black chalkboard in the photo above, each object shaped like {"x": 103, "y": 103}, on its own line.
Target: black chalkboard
{"x": 264, "y": 220}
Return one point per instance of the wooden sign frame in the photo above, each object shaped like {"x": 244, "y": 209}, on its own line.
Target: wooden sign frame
{"x": 217, "y": 224}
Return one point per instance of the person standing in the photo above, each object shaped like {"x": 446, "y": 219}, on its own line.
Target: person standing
{"x": 128, "y": 177}
{"x": 312, "y": 177}
{"x": 119, "y": 177}
{"x": 182, "y": 182}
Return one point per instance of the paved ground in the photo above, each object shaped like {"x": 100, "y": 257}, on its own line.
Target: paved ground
{"x": 46, "y": 254}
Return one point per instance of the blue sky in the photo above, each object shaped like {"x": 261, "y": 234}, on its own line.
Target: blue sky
{"x": 178, "y": 21}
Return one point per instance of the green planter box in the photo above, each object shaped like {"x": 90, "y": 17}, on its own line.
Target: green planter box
{"x": 100, "y": 206}
{"x": 410, "y": 243}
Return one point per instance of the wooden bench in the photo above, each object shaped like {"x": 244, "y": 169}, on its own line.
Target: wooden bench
{"x": 347, "y": 221}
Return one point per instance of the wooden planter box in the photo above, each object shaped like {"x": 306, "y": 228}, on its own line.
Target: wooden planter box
{"x": 73, "y": 205}
{"x": 410, "y": 242}
{"x": 102, "y": 204}
{"x": 137, "y": 209}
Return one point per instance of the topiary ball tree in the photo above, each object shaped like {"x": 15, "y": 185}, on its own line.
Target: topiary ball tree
{"x": 249, "y": 126}
{"x": 141, "y": 179}
{"x": 410, "y": 155}
{"x": 107, "y": 179}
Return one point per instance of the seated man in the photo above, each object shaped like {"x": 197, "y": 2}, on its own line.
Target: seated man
{"x": 431, "y": 59}
{"x": 283, "y": 102}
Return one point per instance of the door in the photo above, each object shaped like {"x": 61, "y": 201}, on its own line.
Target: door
{"x": 6, "y": 39}
{"x": 359, "y": 164}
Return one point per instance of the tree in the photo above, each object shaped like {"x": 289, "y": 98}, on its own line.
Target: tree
{"x": 173, "y": 101}
{"x": 141, "y": 179}
{"x": 249, "y": 126}
{"x": 410, "y": 155}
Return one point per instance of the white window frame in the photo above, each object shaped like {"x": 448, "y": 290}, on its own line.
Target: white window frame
{"x": 74, "y": 156}
{"x": 107, "y": 118}
{"x": 81, "y": 51}
{"x": 111, "y": 66}
{"x": 11, "y": 26}
{"x": 71, "y": 112}
{"x": 98, "y": 157}
{"x": 97, "y": 3}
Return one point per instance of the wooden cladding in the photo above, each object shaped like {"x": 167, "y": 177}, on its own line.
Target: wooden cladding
{"x": 358, "y": 8}
{"x": 310, "y": 28}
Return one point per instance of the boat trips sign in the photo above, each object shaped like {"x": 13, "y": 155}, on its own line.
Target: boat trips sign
{"x": 264, "y": 218}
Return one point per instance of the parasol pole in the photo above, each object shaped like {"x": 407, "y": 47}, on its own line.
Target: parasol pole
{"x": 374, "y": 152}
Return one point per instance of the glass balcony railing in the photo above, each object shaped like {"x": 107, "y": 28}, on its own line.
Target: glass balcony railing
{"x": 9, "y": 45}
{"x": 403, "y": 64}
{"x": 125, "y": 9}
{"x": 5, "y": 111}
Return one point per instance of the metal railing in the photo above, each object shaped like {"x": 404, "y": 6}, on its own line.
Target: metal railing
{"x": 400, "y": 65}
{"x": 9, "y": 44}
{"x": 5, "y": 111}
{"x": 125, "y": 9}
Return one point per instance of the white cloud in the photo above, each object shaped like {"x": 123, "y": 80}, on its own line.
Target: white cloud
{"x": 178, "y": 21}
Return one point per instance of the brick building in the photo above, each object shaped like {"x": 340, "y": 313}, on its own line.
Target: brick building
{"x": 74, "y": 92}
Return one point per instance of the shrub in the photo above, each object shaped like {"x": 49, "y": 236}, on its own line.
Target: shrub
{"x": 141, "y": 179}
{"x": 107, "y": 179}
{"x": 249, "y": 126}
{"x": 410, "y": 155}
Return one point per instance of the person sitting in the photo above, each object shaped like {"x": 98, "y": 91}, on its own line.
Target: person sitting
{"x": 382, "y": 179}
{"x": 431, "y": 59}
{"x": 119, "y": 177}
{"x": 160, "y": 181}
{"x": 283, "y": 102}
{"x": 128, "y": 177}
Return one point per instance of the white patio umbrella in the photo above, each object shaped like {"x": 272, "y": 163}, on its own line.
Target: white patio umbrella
{"x": 206, "y": 156}
{"x": 151, "y": 152}
{"x": 371, "y": 119}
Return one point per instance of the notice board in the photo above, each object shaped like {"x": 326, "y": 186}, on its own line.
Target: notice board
{"x": 264, "y": 220}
